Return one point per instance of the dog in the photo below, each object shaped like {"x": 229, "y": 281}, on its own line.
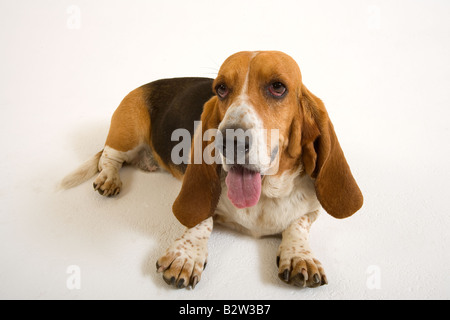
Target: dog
{"x": 278, "y": 187}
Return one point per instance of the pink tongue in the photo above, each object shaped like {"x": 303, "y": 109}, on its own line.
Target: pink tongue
{"x": 244, "y": 187}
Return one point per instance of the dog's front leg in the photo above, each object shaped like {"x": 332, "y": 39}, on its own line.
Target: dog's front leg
{"x": 296, "y": 263}
{"x": 183, "y": 262}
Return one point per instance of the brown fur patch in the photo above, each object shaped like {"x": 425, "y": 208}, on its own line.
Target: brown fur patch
{"x": 201, "y": 187}
{"x": 130, "y": 123}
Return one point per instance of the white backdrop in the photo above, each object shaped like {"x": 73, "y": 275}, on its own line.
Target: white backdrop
{"x": 381, "y": 67}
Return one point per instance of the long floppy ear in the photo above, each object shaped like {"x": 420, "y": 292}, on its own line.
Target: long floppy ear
{"x": 200, "y": 191}
{"x": 324, "y": 160}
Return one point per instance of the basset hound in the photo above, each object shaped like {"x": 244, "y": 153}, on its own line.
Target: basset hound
{"x": 278, "y": 187}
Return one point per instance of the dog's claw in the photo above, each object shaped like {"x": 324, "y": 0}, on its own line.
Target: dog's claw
{"x": 194, "y": 282}
{"x": 285, "y": 275}
{"x": 302, "y": 273}
{"x": 159, "y": 268}
{"x": 305, "y": 274}
{"x": 316, "y": 278}
{"x": 180, "y": 284}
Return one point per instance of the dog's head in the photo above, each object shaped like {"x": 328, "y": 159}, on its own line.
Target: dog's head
{"x": 266, "y": 122}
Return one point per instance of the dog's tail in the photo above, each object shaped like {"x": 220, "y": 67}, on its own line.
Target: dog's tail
{"x": 84, "y": 172}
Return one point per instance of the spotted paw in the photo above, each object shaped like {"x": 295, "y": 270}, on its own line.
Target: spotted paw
{"x": 301, "y": 272}
{"x": 182, "y": 264}
{"x": 108, "y": 183}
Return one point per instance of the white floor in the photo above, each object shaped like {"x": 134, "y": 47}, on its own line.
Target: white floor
{"x": 381, "y": 68}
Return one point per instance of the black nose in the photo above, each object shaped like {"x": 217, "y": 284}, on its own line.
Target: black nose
{"x": 235, "y": 145}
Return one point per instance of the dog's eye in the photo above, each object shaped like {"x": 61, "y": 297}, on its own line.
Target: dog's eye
{"x": 222, "y": 91}
{"x": 277, "y": 89}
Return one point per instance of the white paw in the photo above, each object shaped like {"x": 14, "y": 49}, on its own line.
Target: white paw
{"x": 298, "y": 267}
{"x": 183, "y": 263}
{"x": 108, "y": 182}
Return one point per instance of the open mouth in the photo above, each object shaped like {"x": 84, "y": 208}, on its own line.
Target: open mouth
{"x": 244, "y": 186}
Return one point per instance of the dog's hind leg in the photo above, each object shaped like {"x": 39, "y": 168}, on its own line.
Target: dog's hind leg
{"x": 128, "y": 141}
{"x": 108, "y": 181}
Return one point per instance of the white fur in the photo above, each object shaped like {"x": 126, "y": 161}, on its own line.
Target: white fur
{"x": 295, "y": 255}
{"x": 108, "y": 181}
{"x": 184, "y": 261}
{"x": 86, "y": 171}
{"x": 284, "y": 199}
{"x": 108, "y": 162}
{"x": 241, "y": 114}
{"x": 115, "y": 158}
